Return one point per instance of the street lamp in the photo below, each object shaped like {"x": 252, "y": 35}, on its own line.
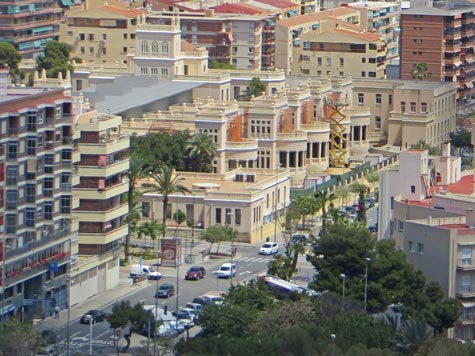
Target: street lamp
{"x": 68, "y": 332}
{"x": 343, "y": 278}
{"x": 232, "y": 243}
{"x": 275, "y": 200}
{"x": 368, "y": 260}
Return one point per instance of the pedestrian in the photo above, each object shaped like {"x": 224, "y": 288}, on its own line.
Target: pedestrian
{"x": 56, "y": 312}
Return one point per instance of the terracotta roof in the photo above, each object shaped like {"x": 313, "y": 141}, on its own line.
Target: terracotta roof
{"x": 336, "y": 12}
{"x": 464, "y": 186}
{"x": 343, "y": 23}
{"x": 367, "y": 36}
{"x": 236, "y": 9}
{"x": 130, "y": 12}
{"x": 281, "y": 4}
{"x": 188, "y": 47}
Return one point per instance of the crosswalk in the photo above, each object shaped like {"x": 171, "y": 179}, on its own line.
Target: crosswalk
{"x": 253, "y": 259}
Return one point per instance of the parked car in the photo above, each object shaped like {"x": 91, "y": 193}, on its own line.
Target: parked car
{"x": 195, "y": 273}
{"x": 203, "y": 300}
{"x": 299, "y": 239}
{"x": 197, "y": 307}
{"x": 185, "y": 318}
{"x": 373, "y": 228}
{"x": 165, "y": 291}
{"x": 190, "y": 311}
{"x": 94, "y": 316}
{"x": 138, "y": 270}
{"x": 170, "y": 328}
{"x": 227, "y": 270}
{"x": 269, "y": 248}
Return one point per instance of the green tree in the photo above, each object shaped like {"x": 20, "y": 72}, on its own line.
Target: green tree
{"x": 421, "y": 144}
{"x": 414, "y": 333}
{"x": 285, "y": 266}
{"x": 179, "y": 216}
{"x": 420, "y": 71}
{"x": 305, "y": 205}
{"x": 18, "y": 339}
{"x": 342, "y": 193}
{"x": 361, "y": 190}
{"x": 217, "y": 234}
{"x": 214, "y": 64}
{"x": 166, "y": 182}
{"x": 9, "y": 56}
{"x": 151, "y": 229}
{"x": 55, "y": 58}
{"x": 325, "y": 199}
{"x": 137, "y": 171}
{"x": 254, "y": 89}
{"x": 202, "y": 148}
{"x": 372, "y": 178}
{"x": 461, "y": 139}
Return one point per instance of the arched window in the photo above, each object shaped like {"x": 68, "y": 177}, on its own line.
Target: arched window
{"x": 165, "y": 48}
{"x": 154, "y": 47}
{"x": 144, "y": 47}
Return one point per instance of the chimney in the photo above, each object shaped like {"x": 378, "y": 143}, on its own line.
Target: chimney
{"x": 4, "y": 81}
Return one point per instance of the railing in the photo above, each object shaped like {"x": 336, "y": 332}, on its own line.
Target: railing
{"x": 36, "y": 244}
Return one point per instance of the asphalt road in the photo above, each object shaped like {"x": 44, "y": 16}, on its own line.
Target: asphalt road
{"x": 248, "y": 262}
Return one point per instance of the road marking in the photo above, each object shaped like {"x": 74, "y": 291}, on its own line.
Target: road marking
{"x": 246, "y": 272}
{"x": 142, "y": 301}
{"x": 105, "y": 332}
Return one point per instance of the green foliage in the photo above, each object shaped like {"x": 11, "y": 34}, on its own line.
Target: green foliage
{"x": 361, "y": 190}
{"x": 166, "y": 182}
{"x": 251, "y": 295}
{"x": 217, "y": 234}
{"x": 124, "y": 314}
{"x": 461, "y": 139}
{"x": 55, "y": 59}
{"x": 254, "y": 89}
{"x": 9, "y": 57}
{"x": 372, "y": 178}
{"x": 179, "y": 216}
{"x": 325, "y": 199}
{"x": 214, "y": 64}
{"x": 202, "y": 149}
{"x": 285, "y": 266}
{"x": 150, "y": 229}
{"x": 441, "y": 346}
{"x": 305, "y": 205}
{"x": 421, "y": 144}
{"x": 420, "y": 71}
{"x": 18, "y": 339}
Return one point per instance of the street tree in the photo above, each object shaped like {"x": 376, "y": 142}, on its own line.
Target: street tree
{"x": 166, "y": 182}
{"x": 361, "y": 190}
{"x": 18, "y": 339}
{"x": 461, "y": 138}
{"x": 55, "y": 59}
{"x": 137, "y": 171}
{"x": 202, "y": 149}
{"x": 372, "y": 178}
{"x": 342, "y": 193}
{"x": 217, "y": 234}
{"x": 9, "y": 57}
{"x": 252, "y": 295}
{"x": 285, "y": 266}
{"x": 305, "y": 205}
{"x": 151, "y": 229}
{"x": 325, "y": 200}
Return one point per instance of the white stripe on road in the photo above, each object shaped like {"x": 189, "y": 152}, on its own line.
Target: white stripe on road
{"x": 99, "y": 336}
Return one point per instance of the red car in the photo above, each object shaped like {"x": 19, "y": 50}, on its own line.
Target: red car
{"x": 195, "y": 273}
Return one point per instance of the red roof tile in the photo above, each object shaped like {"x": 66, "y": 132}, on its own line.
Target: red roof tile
{"x": 130, "y": 12}
{"x": 367, "y": 36}
{"x": 281, "y": 4}
{"x": 336, "y": 12}
{"x": 236, "y": 9}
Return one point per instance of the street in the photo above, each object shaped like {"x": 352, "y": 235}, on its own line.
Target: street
{"x": 249, "y": 264}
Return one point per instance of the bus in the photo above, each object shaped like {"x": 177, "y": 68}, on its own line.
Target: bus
{"x": 282, "y": 289}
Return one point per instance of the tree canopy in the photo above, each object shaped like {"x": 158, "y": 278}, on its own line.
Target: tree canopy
{"x": 217, "y": 234}
{"x": 255, "y": 88}
{"x": 420, "y": 71}
{"x": 55, "y": 58}
{"x": 18, "y": 339}
{"x": 461, "y": 138}
{"x": 9, "y": 56}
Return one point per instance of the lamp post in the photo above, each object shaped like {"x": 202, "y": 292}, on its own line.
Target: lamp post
{"x": 343, "y": 278}
{"x": 230, "y": 214}
{"x": 275, "y": 200}
{"x": 68, "y": 331}
{"x": 368, "y": 260}
{"x": 90, "y": 336}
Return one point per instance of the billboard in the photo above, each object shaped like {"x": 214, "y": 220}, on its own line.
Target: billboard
{"x": 171, "y": 252}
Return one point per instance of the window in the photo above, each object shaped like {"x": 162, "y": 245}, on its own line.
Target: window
{"x": 154, "y": 71}
{"x": 91, "y": 50}
{"x": 378, "y": 99}
{"x": 329, "y": 61}
{"x": 154, "y": 47}
{"x": 371, "y": 60}
{"x": 400, "y": 226}
{"x": 11, "y": 223}
{"x": 31, "y": 146}
{"x": 420, "y": 248}
{"x": 390, "y": 99}
{"x": 410, "y": 246}
{"x": 218, "y": 216}
{"x": 342, "y": 61}
{"x": 104, "y": 36}
{"x": 363, "y": 74}
{"x": 144, "y": 47}
{"x": 377, "y": 122}
{"x": 413, "y": 106}
{"x": 124, "y": 49}
{"x": 228, "y": 216}
{"x": 363, "y": 60}
{"x": 82, "y": 50}
{"x": 104, "y": 50}
{"x": 319, "y": 61}
{"x": 65, "y": 204}
{"x": 319, "y": 72}
{"x": 11, "y": 199}
{"x": 165, "y": 48}
{"x": 48, "y": 210}
{"x": 423, "y": 107}
{"x": 132, "y": 36}
{"x": 372, "y": 74}
{"x": 237, "y": 216}
{"x": 30, "y": 217}
{"x": 12, "y": 173}
{"x": 91, "y": 37}
{"x": 82, "y": 36}
{"x": 467, "y": 256}
{"x": 48, "y": 187}
{"x": 164, "y": 72}
{"x": 125, "y": 36}
{"x": 360, "y": 98}
{"x": 30, "y": 193}
{"x": 146, "y": 209}
{"x": 403, "y": 107}
{"x": 466, "y": 283}
{"x": 413, "y": 188}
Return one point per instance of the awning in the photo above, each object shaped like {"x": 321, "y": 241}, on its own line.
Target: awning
{"x": 291, "y": 13}
{"x": 397, "y": 29}
{"x": 468, "y": 305}
{"x": 66, "y": 2}
{"x": 315, "y": 26}
{"x": 7, "y": 309}
{"x": 270, "y": 22}
{"x": 469, "y": 85}
{"x": 470, "y": 60}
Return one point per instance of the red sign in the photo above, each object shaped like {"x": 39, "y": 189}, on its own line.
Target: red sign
{"x": 171, "y": 252}
{"x": 117, "y": 332}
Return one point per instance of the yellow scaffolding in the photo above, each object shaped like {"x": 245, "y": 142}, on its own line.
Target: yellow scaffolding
{"x": 338, "y": 139}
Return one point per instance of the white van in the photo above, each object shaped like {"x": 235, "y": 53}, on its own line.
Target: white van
{"x": 139, "y": 270}
{"x": 227, "y": 270}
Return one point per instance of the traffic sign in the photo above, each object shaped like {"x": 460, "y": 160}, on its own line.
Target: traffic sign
{"x": 117, "y": 332}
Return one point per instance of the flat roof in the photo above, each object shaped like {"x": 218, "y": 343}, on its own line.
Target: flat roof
{"x": 454, "y": 9}
{"x": 128, "y": 92}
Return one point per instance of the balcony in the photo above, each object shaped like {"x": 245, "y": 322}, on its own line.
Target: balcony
{"x": 465, "y": 291}
{"x": 102, "y": 216}
{"x": 107, "y": 145}
{"x": 104, "y": 237}
{"x": 102, "y": 194}
{"x": 466, "y": 264}
{"x": 109, "y": 170}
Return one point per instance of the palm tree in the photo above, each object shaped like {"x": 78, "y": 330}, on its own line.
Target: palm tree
{"x": 420, "y": 71}
{"x": 202, "y": 147}
{"x": 165, "y": 183}
{"x": 325, "y": 198}
{"x": 137, "y": 171}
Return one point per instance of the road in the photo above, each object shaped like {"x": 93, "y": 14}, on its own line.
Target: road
{"x": 249, "y": 264}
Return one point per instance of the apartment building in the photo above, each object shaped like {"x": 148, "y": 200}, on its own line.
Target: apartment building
{"x": 162, "y": 53}
{"x": 288, "y": 32}
{"x": 340, "y": 52}
{"x": 382, "y": 18}
{"x": 246, "y": 41}
{"x": 443, "y": 38}
{"x": 28, "y": 25}
{"x": 103, "y": 34}
{"x": 101, "y": 188}
{"x": 37, "y": 230}
{"x": 405, "y": 112}
{"x": 426, "y": 206}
